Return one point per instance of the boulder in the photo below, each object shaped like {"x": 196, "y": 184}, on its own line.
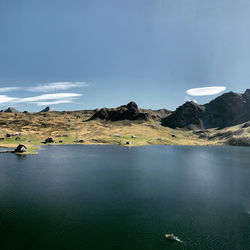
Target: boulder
{"x": 49, "y": 140}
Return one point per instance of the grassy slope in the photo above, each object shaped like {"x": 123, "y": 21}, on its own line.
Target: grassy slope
{"x": 38, "y": 126}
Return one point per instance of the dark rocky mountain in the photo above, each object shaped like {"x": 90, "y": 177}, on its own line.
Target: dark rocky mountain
{"x": 226, "y": 110}
{"x": 187, "y": 115}
{"x": 10, "y": 110}
{"x": 47, "y": 109}
{"x": 125, "y": 112}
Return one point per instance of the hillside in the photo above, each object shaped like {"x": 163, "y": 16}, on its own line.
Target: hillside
{"x": 69, "y": 126}
{"x": 190, "y": 124}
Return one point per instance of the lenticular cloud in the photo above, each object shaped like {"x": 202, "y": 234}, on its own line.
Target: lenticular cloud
{"x": 205, "y": 91}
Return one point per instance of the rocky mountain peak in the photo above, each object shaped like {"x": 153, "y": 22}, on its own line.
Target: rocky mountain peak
{"x": 47, "y": 109}
{"x": 10, "y": 110}
{"x": 226, "y": 110}
{"x": 124, "y": 112}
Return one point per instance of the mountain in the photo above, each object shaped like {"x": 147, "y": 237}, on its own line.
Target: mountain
{"x": 187, "y": 115}
{"x": 47, "y": 109}
{"x": 124, "y": 112}
{"x": 10, "y": 110}
{"x": 226, "y": 110}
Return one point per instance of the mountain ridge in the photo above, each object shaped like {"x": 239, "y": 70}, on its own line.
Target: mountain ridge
{"x": 228, "y": 109}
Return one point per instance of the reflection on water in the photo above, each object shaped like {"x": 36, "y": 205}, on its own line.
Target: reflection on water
{"x": 109, "y": 197}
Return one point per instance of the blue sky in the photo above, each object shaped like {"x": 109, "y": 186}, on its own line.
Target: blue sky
{"x": 88, "y": 54}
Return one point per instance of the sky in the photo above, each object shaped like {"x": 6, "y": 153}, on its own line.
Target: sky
{"x": 85, "y": 54}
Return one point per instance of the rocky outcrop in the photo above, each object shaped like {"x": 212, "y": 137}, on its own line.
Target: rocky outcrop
{"x": 10, "y": 110}
{"x": 47, "y": 109}
{"x": 239, "y": 141}
{"x": 125, "y": 112}
{"x": 226, "y": 110}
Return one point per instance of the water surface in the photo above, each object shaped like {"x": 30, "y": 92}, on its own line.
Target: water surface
{"x": 110, "y": 197}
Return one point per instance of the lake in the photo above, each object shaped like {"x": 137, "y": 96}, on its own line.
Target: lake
{"x": 111, "y": 197}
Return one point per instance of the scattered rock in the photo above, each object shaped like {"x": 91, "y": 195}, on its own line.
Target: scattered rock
{"x": 246, "y": 125}
{"x": 49, "y": 140}
{"x": 239, "y": 141}
{"x": 8, "y": 135}
{"x": 79, "y": 141}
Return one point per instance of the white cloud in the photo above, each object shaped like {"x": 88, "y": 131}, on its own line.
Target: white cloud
{"x": 205, "y": 91}
{"x": 6, "y": 99}
{"x": 52, "y": 102}
{"x": 40, "y": 100}
{"x": 8, "y": 89}
{"x": 55, "y": 86}
{"x": 45, "y": 97}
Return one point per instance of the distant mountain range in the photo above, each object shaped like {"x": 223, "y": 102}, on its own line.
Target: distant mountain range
{"x": 13, "y": 110}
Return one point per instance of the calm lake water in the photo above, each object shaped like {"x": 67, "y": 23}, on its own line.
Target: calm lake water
{"x": 110, "y": 197}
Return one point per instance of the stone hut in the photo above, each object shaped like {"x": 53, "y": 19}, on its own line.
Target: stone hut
{"x": 20, "y": 149}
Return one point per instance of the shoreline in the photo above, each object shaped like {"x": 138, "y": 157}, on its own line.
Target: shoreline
{"x": 36, "y": 148}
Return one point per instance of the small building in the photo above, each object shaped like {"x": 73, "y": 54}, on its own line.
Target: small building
{"x": 64, "y": 135}
{"x": 20, "y": 149}
{"x": 49, "y": 140}
{"x": 133, "y": 136}
{"x": 117, "y": 135}
{"x": 159, "y": 138}
{"x": 128, "y": 142}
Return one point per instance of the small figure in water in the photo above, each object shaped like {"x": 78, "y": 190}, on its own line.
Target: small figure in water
{"x": 172, "y": 237}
